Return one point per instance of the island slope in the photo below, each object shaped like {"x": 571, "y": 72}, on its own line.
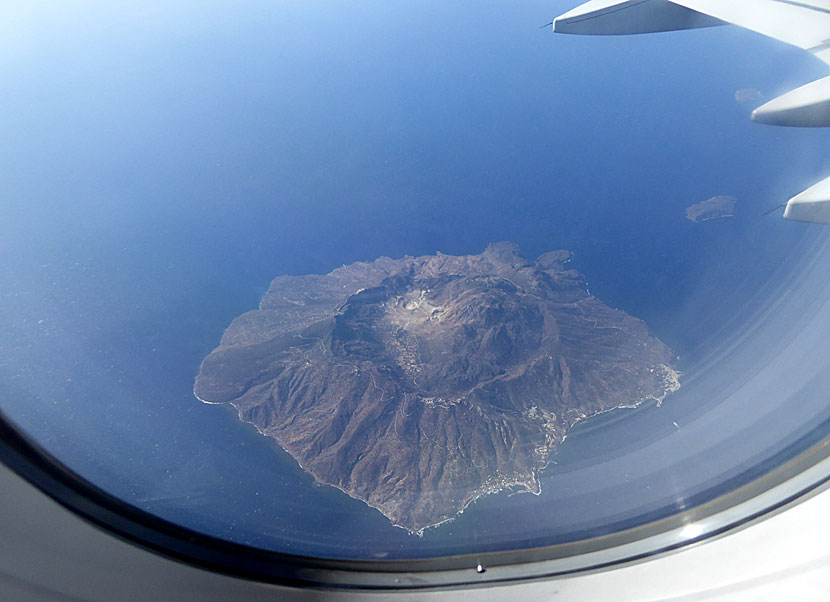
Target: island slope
{"x": 419, "y": 384}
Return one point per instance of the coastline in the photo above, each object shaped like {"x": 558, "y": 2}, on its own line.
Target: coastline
{"x": 674, "y": 380}
{"x": 317, "y": 481}
{"x": 532, "y": 485}
{"x": 475, "y": 495}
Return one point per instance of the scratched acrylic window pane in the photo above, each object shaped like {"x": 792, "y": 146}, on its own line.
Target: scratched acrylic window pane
{"x": 373, "y": 280}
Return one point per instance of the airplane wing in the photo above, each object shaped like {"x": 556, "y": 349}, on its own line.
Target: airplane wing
{"x": 802, "y": 23}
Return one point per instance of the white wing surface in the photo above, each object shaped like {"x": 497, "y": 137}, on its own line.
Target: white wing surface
{"x": 802, "y": 23}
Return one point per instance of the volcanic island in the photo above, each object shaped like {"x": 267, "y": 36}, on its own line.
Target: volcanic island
{"x": 716, "y": 207}
{"x": 420, "y": 384}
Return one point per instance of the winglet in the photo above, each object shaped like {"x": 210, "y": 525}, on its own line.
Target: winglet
{"x": 807, "y": 106}
{"x": 812, "y": 205}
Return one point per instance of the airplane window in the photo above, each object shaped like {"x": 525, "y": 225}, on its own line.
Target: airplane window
{"x": 367, "y": 281}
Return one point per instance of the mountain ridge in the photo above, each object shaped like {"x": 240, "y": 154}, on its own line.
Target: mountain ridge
{"x": 419, "y": 384}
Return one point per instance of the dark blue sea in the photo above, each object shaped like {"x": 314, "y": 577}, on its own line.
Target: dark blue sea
{"x": 163, "y": 164}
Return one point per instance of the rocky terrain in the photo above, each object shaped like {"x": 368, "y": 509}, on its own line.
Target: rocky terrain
{"x": 419, "y": 384}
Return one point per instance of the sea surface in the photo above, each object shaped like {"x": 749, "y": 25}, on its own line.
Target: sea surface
{"x": 131, "y": 424}
{"x": 163, "y": 164}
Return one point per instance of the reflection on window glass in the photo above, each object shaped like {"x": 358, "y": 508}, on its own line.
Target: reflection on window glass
{"x": 256, "y": 278}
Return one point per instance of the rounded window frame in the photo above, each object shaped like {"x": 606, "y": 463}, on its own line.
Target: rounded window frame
{"x": 794, "y": 480}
